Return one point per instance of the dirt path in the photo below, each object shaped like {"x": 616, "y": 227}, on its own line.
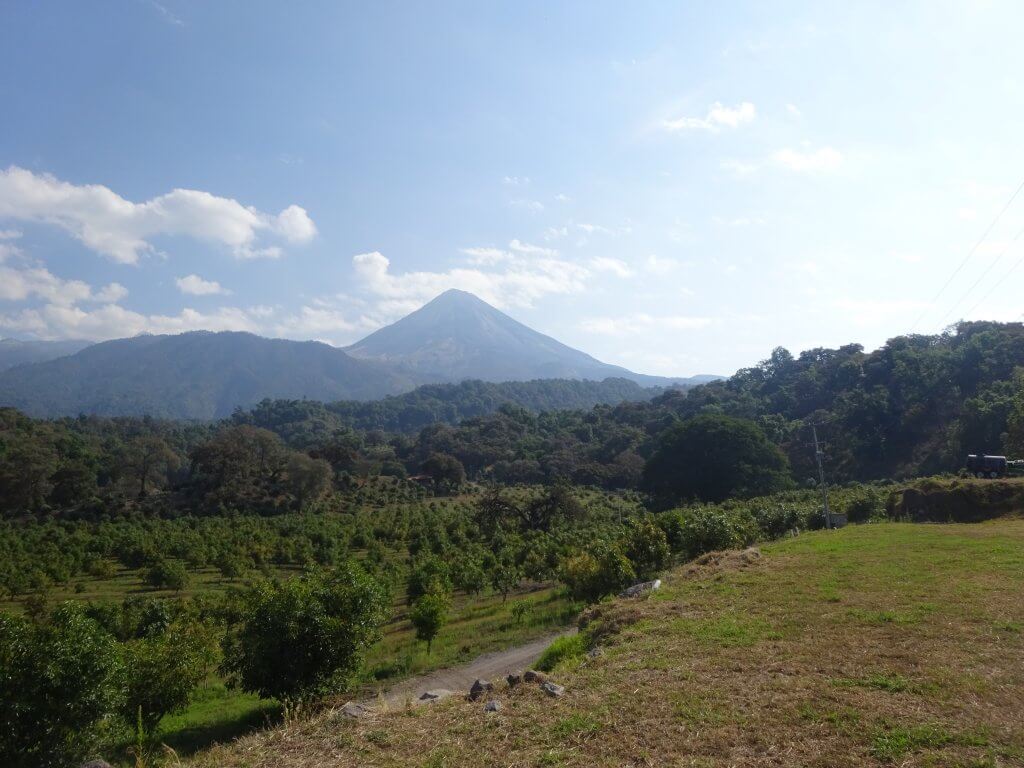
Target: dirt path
{"x": 491, "y": 666}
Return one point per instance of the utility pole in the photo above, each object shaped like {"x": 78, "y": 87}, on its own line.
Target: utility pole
{"x": 818, "y": 454}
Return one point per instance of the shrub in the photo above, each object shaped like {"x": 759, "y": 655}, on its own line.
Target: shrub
{"x": 59, "y": 680}
{"x": 591, "y": 576}
{"x": 646, "y": 546}
{"x": 704, "y": 529}
{"x": 305, "y": 637}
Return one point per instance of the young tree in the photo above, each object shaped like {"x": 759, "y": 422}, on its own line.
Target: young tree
{"x": 59, "y": 680}
{"x": 646, "y": 546}
{"x": 167, "y": 574}
{"x": 304, "y": 637}
{"x": 505, "y": 577}
{"x": 162, "y": 671}
{"x": 428, "y": 615}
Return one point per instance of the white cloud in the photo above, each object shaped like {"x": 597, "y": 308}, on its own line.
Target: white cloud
{"x": 111, "y": 321}
{"x": 194, "y": 285}
{"x": 20, "y": 282}
{"x": 719, "y": 116}
{"x": 607, "y": 264}
{"x": 9, "y": 234}
{"x": 111, "y": 294}
{"x": 516, "y": 181}
{"x": 120, "y": 229}
{"x": 532, "y": 250}
{"x": 794, "y": 111}
{"x": 810, "y": 161}
{"x": 519, "y": 283}
{"x": 487, "y": 257}
{"x": 629, "y": 325}
{"x": 562, "y": 197}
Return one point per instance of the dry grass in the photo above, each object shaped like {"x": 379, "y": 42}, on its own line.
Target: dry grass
{"x": 872, "y": 646}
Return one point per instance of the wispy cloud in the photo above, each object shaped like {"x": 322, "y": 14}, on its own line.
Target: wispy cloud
{"x": 633, "y": 324}
{"x": 821, "y": 160}
{"x": 719, "y": 116}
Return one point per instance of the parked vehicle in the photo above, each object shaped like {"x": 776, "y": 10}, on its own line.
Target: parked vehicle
{"x": 992, "y": 467}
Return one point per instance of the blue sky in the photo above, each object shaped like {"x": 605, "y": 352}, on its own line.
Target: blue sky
{"x": 673, "y": 187}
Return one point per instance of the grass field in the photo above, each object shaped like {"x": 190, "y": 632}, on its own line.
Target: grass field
{"x": 877, "y": 645}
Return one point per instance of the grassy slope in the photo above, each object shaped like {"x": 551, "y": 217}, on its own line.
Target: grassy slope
{"x": 887, "y": 644}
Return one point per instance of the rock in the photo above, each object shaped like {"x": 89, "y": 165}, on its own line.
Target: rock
{"x": 492, "y": 706}
{"x": 595, "y": 653}
{"x": 533, "y": 676}
{"x": 479, "y": 688}
{"x": 552, "y": 689}
{"x": 435, "y": 695}
{"x": 514, "y": 679}
{"x": 96, "y": 764}
{"x": 750, "y": 555}
{"x": 641, "y": 589}
{"x": 351, "y": 709}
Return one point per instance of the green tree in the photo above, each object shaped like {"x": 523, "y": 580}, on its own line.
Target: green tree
{"x": 59, "y": 680}
{"x": 592, "y": 575}
{"x": 162, "y": 671}
{"x": 428, "y": 615}
{"x": 446, "y": 471}
{"x": 647, "y": 548}
{"x": 505, "y": 577}
{"x": 713, "y": 458}
{"x": 167, "y": 574}
{"x": 305, "y": 637}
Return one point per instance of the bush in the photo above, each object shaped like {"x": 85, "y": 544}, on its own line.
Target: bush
{"x": 568, "y": 650}
{"x": 591, "y": 576}
{"x": 705, "y": 529}
{"x": 305, "y": 637}
{"x": 162, "y": 671}
{"x": 646, "y": 547}
{"x": 59, "y": 680}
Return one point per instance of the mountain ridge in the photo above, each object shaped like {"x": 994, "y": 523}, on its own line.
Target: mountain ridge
{"x": 455, "y": 337}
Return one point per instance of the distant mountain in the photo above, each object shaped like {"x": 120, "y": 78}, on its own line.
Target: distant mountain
{"x": 458, "y": 336}
{"x": 203, "y": 375}
{"x": 14, "y": 352}
{"x": 199, "y": 375}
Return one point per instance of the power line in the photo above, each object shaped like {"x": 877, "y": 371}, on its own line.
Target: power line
{"x": 983, "y": 275}
{"x": 997, "y": 284}
{"x": 968, "y": 256}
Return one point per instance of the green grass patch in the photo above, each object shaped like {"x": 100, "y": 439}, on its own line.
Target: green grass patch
{"x": 576, "y": 726}
{"x": 567, "y": 652}
{"x": 893, "y": 743}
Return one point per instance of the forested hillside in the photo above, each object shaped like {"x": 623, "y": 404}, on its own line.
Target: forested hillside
{"x": 915, "y": 406}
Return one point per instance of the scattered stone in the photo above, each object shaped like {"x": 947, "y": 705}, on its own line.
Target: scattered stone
{"x": 552, "y": 689}
{"x": 750, "y": 555}
{"x": 642, "y": 588}
{"x": 533, "y": 676}
{"x": 595, "y": 653}
{"x": 351, "y": 709}
{"x": 435, "y": 695}
{"x": 96, "y": 764}
{"x": 479, "y": 688}
{"x": 492, "y": 706}
{"x": 514, "y": 679}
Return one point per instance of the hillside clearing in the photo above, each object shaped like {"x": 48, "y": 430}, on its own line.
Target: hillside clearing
{"x": 889, "y": 644}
